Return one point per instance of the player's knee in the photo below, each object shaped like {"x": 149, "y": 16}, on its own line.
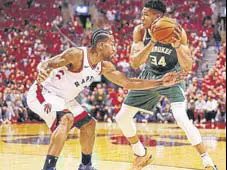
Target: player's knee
{"x": 89, "y": 128}
{"x": 118, "y": 118}
{"x": 180, "y": 123}
{"x": 124, "y": 120}
{"x": 63, "y": 128}
{"x": 66, "y": 122}
{"x": 90, "y": 125}
{"x": 184, "y": 123}
{"x": 191, "y": 132}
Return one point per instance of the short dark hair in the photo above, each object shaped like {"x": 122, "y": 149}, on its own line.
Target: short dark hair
{"x": 156, "y": 5}
{"x": 98, "y": 35}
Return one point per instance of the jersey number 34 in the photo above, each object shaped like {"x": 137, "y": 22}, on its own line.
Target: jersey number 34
{"x": 161, "y": 62}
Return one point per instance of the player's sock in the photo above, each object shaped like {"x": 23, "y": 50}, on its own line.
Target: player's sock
{"x": 86, "y": 159}
{"x": 51, "y": 162}
{"x": 207, "y": 161}
{"x": 139, "y": 149}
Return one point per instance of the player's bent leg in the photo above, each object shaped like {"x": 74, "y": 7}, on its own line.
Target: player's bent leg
{"x": 180, "y": 115}
{"x": 88, "y": 132}
{"x": 58, "y": 138}
{"x": 87, "y": 126}
{"x": 192, "y": 133}
{"x": 124, "y": 120}
{"x": 60, "y": 134}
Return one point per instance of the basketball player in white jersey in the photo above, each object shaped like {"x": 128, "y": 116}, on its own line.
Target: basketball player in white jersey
{"x": 63, "y": 77}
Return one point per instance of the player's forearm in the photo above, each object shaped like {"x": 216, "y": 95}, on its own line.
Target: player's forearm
{"x": 137, "y": 84}
{"x": 131, "y": 83}
{"x": 139, "y": 58}
{"x": 185, "y": 58}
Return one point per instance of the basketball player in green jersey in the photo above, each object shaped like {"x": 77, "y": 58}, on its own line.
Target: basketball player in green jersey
{"x": 159, "y": 59}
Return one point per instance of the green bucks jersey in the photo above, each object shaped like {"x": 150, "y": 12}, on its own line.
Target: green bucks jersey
{"x": 162, "y": 59}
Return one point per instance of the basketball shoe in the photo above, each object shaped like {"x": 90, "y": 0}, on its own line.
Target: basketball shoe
{"x": 86, "y": 167}
{"x": 141, "y": 162}
{"x": 211, "y": 168}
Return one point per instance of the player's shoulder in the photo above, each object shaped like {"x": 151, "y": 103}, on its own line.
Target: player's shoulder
{"x": 75, "y": 50}
{"x": 73, "y": 53}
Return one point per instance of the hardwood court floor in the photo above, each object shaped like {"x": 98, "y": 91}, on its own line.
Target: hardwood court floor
{"x": 23, "y": 147}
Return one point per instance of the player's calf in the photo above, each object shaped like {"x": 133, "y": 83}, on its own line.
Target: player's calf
{"x": 88, "y": 132}
{"x": 58, "y": 139}
{"x": 87, "y": 139}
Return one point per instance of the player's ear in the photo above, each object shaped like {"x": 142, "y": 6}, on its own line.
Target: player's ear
{"x": 160, "y": 15}
{"x": 102, "y": 45}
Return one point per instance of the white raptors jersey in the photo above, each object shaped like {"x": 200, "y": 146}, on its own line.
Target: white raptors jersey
{"x": 67, "y": 84}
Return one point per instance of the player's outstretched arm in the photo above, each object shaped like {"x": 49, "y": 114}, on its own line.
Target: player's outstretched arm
{"x": 139, "y": 52}
{"x": 69, "y": 56}
{"x": 117, "y": 77}
{"x": 183, "y": 51}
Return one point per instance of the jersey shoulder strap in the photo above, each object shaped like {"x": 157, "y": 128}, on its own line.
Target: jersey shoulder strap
{"x": 85, "y": 56}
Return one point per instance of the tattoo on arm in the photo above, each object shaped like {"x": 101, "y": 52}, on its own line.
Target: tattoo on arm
{"x": 64, "y": 59}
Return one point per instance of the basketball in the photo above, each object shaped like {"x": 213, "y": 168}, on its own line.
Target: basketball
{"x": 163, "y": 30}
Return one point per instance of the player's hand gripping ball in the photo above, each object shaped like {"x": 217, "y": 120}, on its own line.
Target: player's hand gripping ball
{"x": 166, "y": 30}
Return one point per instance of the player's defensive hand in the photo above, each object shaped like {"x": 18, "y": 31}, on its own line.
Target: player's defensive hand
{"x": 43, "y": 72}
{"x": 171, "y": 79}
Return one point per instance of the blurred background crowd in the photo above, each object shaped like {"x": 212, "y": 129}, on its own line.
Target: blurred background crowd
{"x": 34, "y": 30}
